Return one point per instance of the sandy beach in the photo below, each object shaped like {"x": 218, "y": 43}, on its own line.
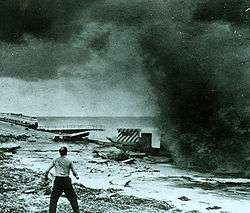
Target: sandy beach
{"x": 105, "y": 185}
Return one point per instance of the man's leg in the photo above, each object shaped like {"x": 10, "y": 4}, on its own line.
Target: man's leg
{"x": 71, "y": 196}
{"x": 55, "y": 194}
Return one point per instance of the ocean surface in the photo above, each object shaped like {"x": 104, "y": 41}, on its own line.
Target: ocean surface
{"x": 107, "y": 122}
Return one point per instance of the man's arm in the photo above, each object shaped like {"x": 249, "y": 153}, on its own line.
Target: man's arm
{"x": 52, "y": 164}
{"x": 74, "y": 171}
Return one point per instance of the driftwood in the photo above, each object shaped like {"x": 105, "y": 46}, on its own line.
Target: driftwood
{"x": 129, "y": 161}
{"x": 127, "y": 183}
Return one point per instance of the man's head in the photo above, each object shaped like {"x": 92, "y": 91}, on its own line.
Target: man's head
{"x": 63, "y": 151}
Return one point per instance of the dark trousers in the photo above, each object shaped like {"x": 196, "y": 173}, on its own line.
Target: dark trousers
{"x": 63, "y": 184}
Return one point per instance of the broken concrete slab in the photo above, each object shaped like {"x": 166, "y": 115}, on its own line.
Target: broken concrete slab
{"x": 112, "y": 153}
{"x": 136, "y": 154}
{"x": 157, "y": 159}
{"x": 129, "y": 161}
{"x": 99, "y": 161}
{"x": 29, "y": 191}
{"x": 184, "y": 198}
{"x": 213, "y": 208}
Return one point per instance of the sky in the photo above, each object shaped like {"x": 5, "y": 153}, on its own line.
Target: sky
{"x": 118, "y": 57}
{"x": 52, "y": 98}
{"x": 185, "y": 61}
{"x": 56, "y": 62}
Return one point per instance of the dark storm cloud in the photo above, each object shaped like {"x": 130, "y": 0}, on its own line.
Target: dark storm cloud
{"x": 195, "y": 54}
{"x": 35, "y": 37}
{"x": 46, "y": 19}
{"x": 232, "y": 11}
{"x": 36, "y": 59}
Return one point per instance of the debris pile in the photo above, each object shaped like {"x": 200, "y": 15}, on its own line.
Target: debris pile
{"x": 111, "y": 201}
{"x": 111, "y": 153}
{"x": 9, "y": 149}
{"x": 14, "y": 180}
{"x": 23, "y": 190}
{"x": 13, "y": 138}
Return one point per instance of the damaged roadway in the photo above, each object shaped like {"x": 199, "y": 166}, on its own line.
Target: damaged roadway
{"x": 110, "y": 180}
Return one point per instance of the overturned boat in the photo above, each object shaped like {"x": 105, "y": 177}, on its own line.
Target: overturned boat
{"x": 71, "y": 137}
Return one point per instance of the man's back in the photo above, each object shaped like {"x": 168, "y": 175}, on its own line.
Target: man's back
{"x": 62, "y": 181}
{"x": 62, "y": 166}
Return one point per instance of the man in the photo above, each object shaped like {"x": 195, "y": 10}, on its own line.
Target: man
{"x": 62, "y": 181}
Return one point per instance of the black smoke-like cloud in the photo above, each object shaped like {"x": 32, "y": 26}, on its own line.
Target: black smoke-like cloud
{"x": 195, "y": 54}
{"x": 45, "y": 19}
{"x": 232, "y": 11}
{"x": 35, "y": 37}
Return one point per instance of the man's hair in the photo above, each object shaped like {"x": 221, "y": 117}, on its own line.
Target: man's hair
{"x": 63, "y": 151}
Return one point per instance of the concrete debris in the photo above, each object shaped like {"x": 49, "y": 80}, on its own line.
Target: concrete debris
{"x": 136, "y": 154}
{"x": 213, "y": 208}
{"x": 157, "y": 159}
{"x": 184, "y": 198}
{"x": 129, "y": 161}
{"x": 127, "y": 183}
{"x": 101, "y": 161}
{"x": 176, "y": 210}
{"x": 32, "y": 140}
{"x": 23, "y": 190}
{"x": 13, "y": 138}
{"x": 116, "y": 202}
{"x": 112, "y": 153}
{"x": 30, "y": 191}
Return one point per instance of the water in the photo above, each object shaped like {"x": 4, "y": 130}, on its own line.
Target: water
{"x": 107, "y": 122}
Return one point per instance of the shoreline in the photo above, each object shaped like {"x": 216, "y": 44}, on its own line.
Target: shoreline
{"x": 148, "y": 182}
{"x": 24, "y": 190}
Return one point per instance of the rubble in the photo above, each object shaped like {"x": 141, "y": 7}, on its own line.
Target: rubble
{"x": 2, "y": 156}
{"x": 127, "y": 183}
{"x": 129, "y": 161}
{"x": 112, "y": 153}
{"x": 23, "y": 190}
{"x": 136, "y": 154}
{"x": 32, "y": 140}
{"x": 119, "y": 154}
{"x": 11, "y": 149}
{"x": 213, "y": 208}
{"x": 11, "y": 138}
{"x": 157, "y": 159}
{"x": 102, "y": 161}
{"x": 184, "y": 198}
{"x": 111, "y": 201}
